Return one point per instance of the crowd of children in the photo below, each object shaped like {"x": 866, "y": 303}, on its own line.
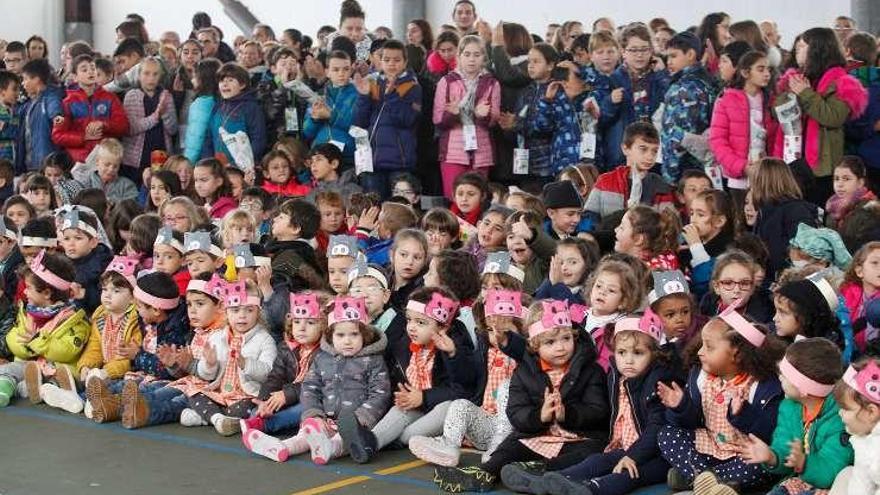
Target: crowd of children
{"x": 648, "y": 256}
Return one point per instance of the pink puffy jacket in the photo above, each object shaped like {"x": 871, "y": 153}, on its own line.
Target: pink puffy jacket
{"x": 730, "y": 132}
{"x": 452, "y": 88}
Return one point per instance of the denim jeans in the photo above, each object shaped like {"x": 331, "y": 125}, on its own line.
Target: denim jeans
{"x": 165, "y": 404}
{"x": 285, "y": 419}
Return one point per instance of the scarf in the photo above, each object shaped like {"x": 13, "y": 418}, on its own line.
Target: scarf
{"x": 471, "y": 217}
{"x": 421, "y": 365}
{"x": 112, "y": 334}
{"x": 838, "y": 206}
{"x": 469, "y": 99}
{"x": 635, "y": 189}
{"x": 42, "y": 314}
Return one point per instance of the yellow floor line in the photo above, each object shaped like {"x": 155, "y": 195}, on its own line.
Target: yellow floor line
{"x": 358, "y": 479}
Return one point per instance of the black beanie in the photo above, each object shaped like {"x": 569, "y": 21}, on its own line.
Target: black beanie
{"x": 561, "y": 194}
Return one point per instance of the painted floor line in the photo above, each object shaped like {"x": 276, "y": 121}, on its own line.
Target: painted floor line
{"x": 358, "y": 479}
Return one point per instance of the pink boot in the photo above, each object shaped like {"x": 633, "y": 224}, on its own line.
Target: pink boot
{"x": 265, "y": 445}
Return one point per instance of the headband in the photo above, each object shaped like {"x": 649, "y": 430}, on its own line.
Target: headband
{"x": 503, "y": 303}
{"x": 201, "y": 241}
{"x": 802, "y": 382}
{"x": 9, "y": 233}
{"x": 236, "y": 295}
{"x": 166, "y": 236}
{"x": 666, "y": 284}
{"x": 244, "y": 257}
{"x": 305, "y": 305}
{"x": 342, "y": 245}
{"x": 124, "y": 266}
{"x": 555, "y": 315}
{"x": 215, "y": 287}
{"x": 866, "y": 382}
{"x": 346, "y": 308}
{"x": 362, "y": 269}
{"x": 71, "y": 220}
{"x": 648, "y": 324}
{"x": 31, "y": 241}
{"x": 742, "y": 326}
{"x": 826, "y": 290}
{"x": 154, "y": 301}
{"x": 500, "y": 262}
{"x": 47, "y": 276}
{"x": 439, "y": 308}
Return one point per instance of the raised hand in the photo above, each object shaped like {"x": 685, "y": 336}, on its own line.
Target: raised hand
{"x": 796, "y": 456}
{"x": 691, "y": 235}
{"x": 555, "y": 273}
{"x": 210, "y": 355}
{"x": 453, "y": 106}
{"x": 670, "y": 396}
{"x": 369, "y": 218}
{"x": 548, "y": 408}
{"x": 521, "y": 229}
{"x": 442, "y": 342}
{"x": 362, "y": 84}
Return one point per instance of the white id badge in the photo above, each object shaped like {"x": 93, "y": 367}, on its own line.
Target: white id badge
{"x": 521, "y": 161}
{"x": 291, "y": 119}
{"x": 714, "y": 173}
{"x": 470, "y": 137}
{"x": 588, "y": 145}
{"x": 363, "y": 159}
{"x": 338, "y": 144}
{"x": 791, "y": 149}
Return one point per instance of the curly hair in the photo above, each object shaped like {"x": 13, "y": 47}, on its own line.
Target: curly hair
{"x": 759, "y": 362}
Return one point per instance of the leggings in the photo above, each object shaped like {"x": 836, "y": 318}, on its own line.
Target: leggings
{"x": 468, "y": 420}
{"x": 451, "y": 171}
{"x": 597, "y": 468}
{"x": 207, "y": 408}
{"x": 403, "y": 425}
{"x": 512, "y": 450}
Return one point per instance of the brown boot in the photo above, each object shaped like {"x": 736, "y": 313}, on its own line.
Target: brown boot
{"x": 135, "y": 410}
{"x": 105, "y": 406}
{"x": 33, "y": 380}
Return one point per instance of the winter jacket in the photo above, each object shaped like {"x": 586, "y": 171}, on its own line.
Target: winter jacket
{"x": 119, "y": 189}
{"x": 173, "y": 331}
{"x": 830, "y": 450}
{"x": 376, "y": 250}
{"x": 543, "y": 248}
{"x": 8, "y": 314}
{"x": 257, "y": 349}
{"x": 9, "y": 132}
{"x": 560, "y": 292}
{"x": 583, "y": 390}
{"x": 759, "y": 308}
{"x": 79, "y": 110}
{"x": 866, "y": 466}
{"x": 611, "y": 193}
{"x": 777, "y": 224}
{"x": 687, "y": 110}
{"x": 861, "y": 137}
{"x": 757, "y": 416}
{"x": 336, "y": 382}
{"x": 561, "y": 118}
{"x": 291, "y": 189}
{"x": 239, "y": 113}
{"x": 637, "y": 105}
{"x": 539, "y": 144}
{"x": 453, "y": 88}
{"x": 196, "y": 143}
{"x": 93, "y": 354}
{"x": 295, "y": 265}
{"x": 89, "y": 269}
{"x": 837, "y": 99}
{"x": 346, "y": 185}
{"x": 63, "y": 345}
{"x": 730, "y": 131}
{"x": 276, "y": 101}
{"x": 437, "y": 66}
{"x": 139, "y": 123}
{"x": 283, "y": 373}
{"x": 391, "y": 120}
{"x": 341, "y": 102}
{"x": 35, "y": 132}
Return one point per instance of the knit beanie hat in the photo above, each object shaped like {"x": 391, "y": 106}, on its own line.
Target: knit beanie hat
{"x": 561, "y": 194}
{"x": 823, "y": 244}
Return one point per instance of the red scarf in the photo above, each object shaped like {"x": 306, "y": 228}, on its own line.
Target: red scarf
{"x": 471, "y": 217}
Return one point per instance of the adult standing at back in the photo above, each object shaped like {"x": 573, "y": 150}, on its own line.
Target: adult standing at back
{"x": 352, "y": 25}
{"x": 464, "y": 16}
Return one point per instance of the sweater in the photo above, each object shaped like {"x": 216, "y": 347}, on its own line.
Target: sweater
{"x": 93, "y": 354}
{"x": 139, "y": 124}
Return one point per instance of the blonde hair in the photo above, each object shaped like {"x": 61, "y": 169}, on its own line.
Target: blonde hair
{"x": 197, "y": 216}
{"x": 859, "y": 259}
{"x": 111, "y": 148}
{"x": 601, "y": 39}
{"x": 773, "y": 182}
{"x": 470, "y": 40}
{"x": 733, "y": 257}
{"x": 536, "y": 312}
{"x": 235, "y": 218}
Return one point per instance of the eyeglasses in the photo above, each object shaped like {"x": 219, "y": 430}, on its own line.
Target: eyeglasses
{"x": 402, "y": 192}
{"x": 728, "y": 284}
{"x": 251, "y": 206}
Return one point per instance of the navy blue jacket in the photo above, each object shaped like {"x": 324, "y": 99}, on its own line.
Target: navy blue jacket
{"x": 88, "y": 274}
{"x": 239, "y": 113}
{"x": 37, "y": 113}
{"x": 391, "y": 119}
{"x": 173, "y": 331}
{"x": 860, "y": 134}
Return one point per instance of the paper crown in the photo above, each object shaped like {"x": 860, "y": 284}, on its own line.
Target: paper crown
{"x": 825, "y": 288}
{"x": 360, "y": 268}
{"x": 648, "y": 324}
{"x": 342, "y": 245}
{"x": 304, "y": 305}
{"x": 216, "y": 287}
{"x": 32, "y": 241}
{"x": 555, "y": 314}
{"x": 71, "y": 220}
{"x": 742, "y": 326}
{"x": 166, "y": 236}
{"x": 865, "y": 381}
{"x": 244, "y": 258}
{"x": 439, "y": 308}
{"x": 503, "y": 303}
{"x": 236, "y": 295}
{"x": 346, "y": 308}
{"x": 125, "y": 266}
{"x": 201, "y": 241}
{"x": 666, "y": 284}
{"x": 500, "y": 262}
{"x": 47, "y": 276}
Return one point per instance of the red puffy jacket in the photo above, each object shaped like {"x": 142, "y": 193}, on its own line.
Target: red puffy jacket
{"x": 79, "y": 110}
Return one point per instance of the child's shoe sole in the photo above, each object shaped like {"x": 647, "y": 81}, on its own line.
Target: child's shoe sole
{"x": 227, "y": 426}
{"x": 705, "y": 482}
{"x": 135, "y": 410}
{"x": 33, "y": 379}
{"x": 557, "y": 484}
{"x": 265, "y": 445}
{"x": 426, "y": 449}
{"x": 61, "y": 399}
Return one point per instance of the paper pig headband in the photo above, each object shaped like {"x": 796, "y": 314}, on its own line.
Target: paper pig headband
{"x": 439, "y": 308}
{"x": 347, "y": 308}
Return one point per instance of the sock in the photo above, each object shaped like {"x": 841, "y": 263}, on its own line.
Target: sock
{"x": 296, "y": 444}
{"x": 7, "y": 390}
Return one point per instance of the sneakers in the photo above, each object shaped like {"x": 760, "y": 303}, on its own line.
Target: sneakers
{"x": 557, "y": 484}
{"x": 676, "y": 481}
{"x": 7, "y": 390}
{"x": 265, "y": 445}
{"x": 524, "y": 477}
{"x": 105, "y": 406}
{"x": 318, "y": 438}
{"x": 64, "y": 378}
{"x": 61, "y": 399}
{"x": 189, "y": 417}
{"x": 33, "y": 379}
{"x": 252, "y": 423}
{"x": 135, "y": 410}
{"x": 466, "y": 479}
{"x": 706, "y": 483}
{"x": 357, "y": 439}
{"x": 87, "y": 410}
{"x": 435, "y": 450}
{"x": 225, "y": 425}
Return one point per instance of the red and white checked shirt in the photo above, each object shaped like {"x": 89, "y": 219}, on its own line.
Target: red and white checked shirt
{"x": 421, "y": 365}
{"x": 230, "y": 390}
{"x": 499, "y": 369}
{"x": 719, "y": 437}
{"x": 625, "y": 432}
{"x": 306, "y": 353}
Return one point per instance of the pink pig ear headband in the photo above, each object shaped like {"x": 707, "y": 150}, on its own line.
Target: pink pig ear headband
{"x": 555, "y": 315}
{"x": 865, "y": 381}
{"x": 648, "y": 324}
{"x": 305, "y": 305}
{"x": 47, "y": 276}
{"x": 504, "y": 303}
{"x": 215, "y": 287}
{"x": 156, "y": 302}
{"x": 346, "y": 308}
{"x": 236, "y": 295}
{"x": 802, "y": 382}
{"x": 742, "y": 326}
{"x": 439, "y": 308}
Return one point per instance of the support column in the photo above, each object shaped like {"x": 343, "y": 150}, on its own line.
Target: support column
{"x": 78, "y": 20}
{"x": 403, "y": 11}
{"x": 240, "y": 15}
{"x": 867, "y": 15}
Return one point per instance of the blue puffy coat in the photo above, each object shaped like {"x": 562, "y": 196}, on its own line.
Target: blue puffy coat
{"x": 35, "y": 142}
{"x": 391, "y": 120}
{"x": 196, "y": 144}
{"x": 341, "y": 101}
{"x": 239, "y": 113}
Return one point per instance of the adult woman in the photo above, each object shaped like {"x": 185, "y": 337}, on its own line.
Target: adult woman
{"x": 352, "y": 26}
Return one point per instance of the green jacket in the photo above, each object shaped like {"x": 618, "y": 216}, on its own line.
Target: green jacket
{"x": 536, "y": 271}
{"x": 830, "y": 450}
{"x": 63, "y": 345}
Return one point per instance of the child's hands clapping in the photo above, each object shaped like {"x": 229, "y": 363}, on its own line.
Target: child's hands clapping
{"x": 210, "y": 355}
{"x": 797, "y": 83}
{"x": 408, "y": 397}
{"x": 670, "y": 396}
{"x": 482, "y": 110}
{"x": 549, "y": 407}
{"x": 796, "y": 456}
{"x": 442, "y": 342}
{"x": 754, "y": 451}
{"x": 453, "y": 106}
{"x": 628, "y": 465}
{"x": 507, "y": 121}
{"x": 369, "y": 218}
{"x": 167, "y": 355}
{"x": 555, "y": 273}
{"x": 129, "y": 350}
{"x": 183, "y": 356}
{"x": 320, "y": 110}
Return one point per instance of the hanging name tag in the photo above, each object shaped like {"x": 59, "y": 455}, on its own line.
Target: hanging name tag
{"x": 291, "y": 119}
{"x": 714, "y": 173}
{"x": 520, "y": 161}
{"x": 338, "y": 144}
{"x": 363, "y": 159}
{"x": 588, "y": 145}
{"x": 791, "y": 149}
{"x": 470, "y": 137}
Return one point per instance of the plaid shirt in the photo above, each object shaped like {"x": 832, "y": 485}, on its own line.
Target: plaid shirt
{"x": 191, "y": 384}
{"x": 625, "y": 432}
{"x": 230, "y": 390}
{"x": 421, "y": 365}
{"x": 719, "y": 436}
{"x": 796, "y": 485}
{"x": 500, "y": 369}
{"x": 549, "y": 445}
{"x": 111, "y": 335}
{"x": 306, "y": 352}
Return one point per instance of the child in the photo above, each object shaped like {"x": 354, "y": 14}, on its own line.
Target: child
{"x": 710, "y": 231}
{"x": 490, "y": 235}
{"x": 79, "y": 238}
{"x": 806, "y": 308}
{"x": 676, "y": 313}
{"x": 466, "y": 104}
{"x": 237, "y": 110}
{"x": 98, "y": 114}
{"x": 605, "y": 56}
{"x": 333, "y": 222}
{"x": 860, "y": 411}
{"x": 347, "y": 383}
{"x": 168, "y": 257}
{"x": 38, "y": 114}
{"x": 49, "y": 332}
{"x": 808, "y": 444}
{"x": 733, "y": 283}
{"x": 442, "y": 229}
{"x": 472, "y": 196}
{"x": 392, "y": 130}
{"x": 152, "y": 118}
{"x": 278, "y": 176}
{"x": 649, "y": 236}
{"x": 19, "y": 210}
{"x": 556, "y": 424}
{"x": 687, "y": 104}
{"x": 163, "y": 186}
{"x": 10, "y": 258}
{"x": 342, "y": 252}
{"x": 409, "y": 260}
{"x": 295, "y": 223}
{"x": 104, "y": 174}
{"x": 634, "y": 183}
{"x": 692, "y": 182}
{"x": 10, "y": 86}
{"x": 202, "y": 254}
{"x": 183, "y": 169}
{"x": 731, "y": 395}
{"x": 862, "y": 285}
{"x": 631, "y": 459}
{"x": 40, "y": 193}
{"x": 530, "y": 248}
{"x": 259, "y": 204}
{"x": 211, "y": 184}
{"x": 276, "y": 91}
{"x": 435, "y": 374}
{"x": 483, "y": 418}
{"x": 195, "y": 144}
{"x": 235, "y": 363}
{"x": 569, "y": 269}
{"x": 376, "y": 230}
{"x": 564, "y": 207}
{"x": 324, "y": 162}
{"x": 583, "y": 176}
{"x": 327, "y": 120}
{"x": 849, "y": 190}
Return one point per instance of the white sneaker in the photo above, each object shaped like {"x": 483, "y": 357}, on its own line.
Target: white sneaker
{"x": 434, "y": 450}
{"x": 226, "y": 425}
{"x": 62, "y": 399}
{"x": 188, "y": 417}
{"x": 87, "y": 409}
